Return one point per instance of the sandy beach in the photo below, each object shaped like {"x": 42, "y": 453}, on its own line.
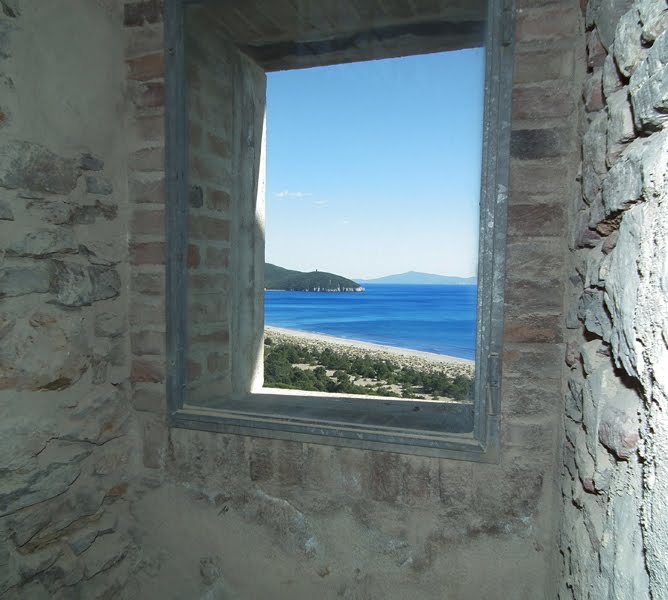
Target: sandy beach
{"x": 404, "y": 357}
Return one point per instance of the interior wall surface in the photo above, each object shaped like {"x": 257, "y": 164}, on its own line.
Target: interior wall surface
{"x": 237, "y": 516}
{"x": 100, "y": 498}
{"x": 614, "y": 534}
{"x": 69, "y": 439}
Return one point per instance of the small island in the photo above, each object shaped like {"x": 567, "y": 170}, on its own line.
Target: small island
{"x": 278, "y": 278}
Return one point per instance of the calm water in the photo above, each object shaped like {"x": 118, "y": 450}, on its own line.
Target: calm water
{"x": 432, "y": 318}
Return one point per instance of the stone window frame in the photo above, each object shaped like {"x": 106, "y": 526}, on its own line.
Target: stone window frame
{"x": 330, "y": 420}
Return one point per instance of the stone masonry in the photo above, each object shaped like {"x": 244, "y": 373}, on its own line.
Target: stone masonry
{"x": 100, "y": 499}
{"x": 615, "y": 520}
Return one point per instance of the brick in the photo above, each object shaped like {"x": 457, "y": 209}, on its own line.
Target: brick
{"x": 144, "y": 40}
{"x": 217, "y": 200}
{"x": 194, "y": 134}
{"x": 143, "y": 313}
{"x": 154, "y": 443}
{"x": 548, "y": 65}
{"x": 217, "y": 257}
{"x": 136, "y": 14}
{"x": 535, "y": 219}
{"x": 538, "y": 177}
{"x": 150, "y": 95}
{"x": 536, "y": 102}
{"x": 148, "y": 371}
{"x": 209, "y": 283}
{"x": 219, "y": 146}
{"x": 207, "y": 309}
{"x": 217, "y": 363}
{"x": 193, "y": 370}
{"x": 193, "y": 258}
{"x": 546, "y": 24}
{"x": 152, "y": 284}
{"x": 148, "y": 159}
{"x": 533, "y": 328}
{"x": 208, "y": 228}
{"x": 195, "y": 196}
{"x": 148, "y": 222}
{"x": 148, "y": 253}
{"x": 523, "y": 295}
{"x": 540, "y": 259}
{"x": 220, "y": 336}
{"x": 147, "y": 342}
{"x": 534, "y": 363}
{"x": 149, "y": 399}
{"x": 147, "y": 191}
{"x": 539, "y": 143}
{"x": 150, "y": 128}
{"x": 147, "y": 67}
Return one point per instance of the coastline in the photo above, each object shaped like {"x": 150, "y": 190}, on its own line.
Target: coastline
{"x": 417, "y": 359}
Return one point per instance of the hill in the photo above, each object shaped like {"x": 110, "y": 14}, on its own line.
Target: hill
{"x": 416, "y": 278}
{"x": 278, "y": 278}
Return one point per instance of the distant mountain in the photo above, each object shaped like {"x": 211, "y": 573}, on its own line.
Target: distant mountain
{"x": 278, "y": 278}
{"x": 415, "y": 278}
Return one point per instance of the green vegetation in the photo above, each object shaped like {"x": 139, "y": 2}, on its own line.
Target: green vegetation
{"x": 293, "y": 366}
{"x": 278, "y": 278}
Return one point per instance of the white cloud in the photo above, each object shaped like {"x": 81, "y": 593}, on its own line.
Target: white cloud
{"x": 289, "y": 194}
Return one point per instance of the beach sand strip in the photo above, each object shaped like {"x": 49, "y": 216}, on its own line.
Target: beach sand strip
{"x": 415, "y": 359}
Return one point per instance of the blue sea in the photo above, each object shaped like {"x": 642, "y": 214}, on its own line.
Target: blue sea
{"x": 431, "y": 318}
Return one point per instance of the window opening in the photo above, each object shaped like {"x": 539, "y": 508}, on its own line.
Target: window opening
{"x": 373, "y": 187}
{"x": 218, "y": 57}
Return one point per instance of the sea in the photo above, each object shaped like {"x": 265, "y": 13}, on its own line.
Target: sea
{"x": 431, "y": 318}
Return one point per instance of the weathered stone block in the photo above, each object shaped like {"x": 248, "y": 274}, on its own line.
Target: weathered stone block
{"x": 592, "y": 311}
{"x": 18, "y": 281}
{"x": 628, "y": 48}
{"x": 98, "y": 184}
{"x": 44, "y": 242}
{"x": 605, "y": 15}
{"x": 35, "y": 168}
{"x": 78, "y": 285}
{"x": 6, "y": 213}
{"x": 611, "y": 79}
{"x": 89, "y": 162}
{"x": 620, "y": 125}
{"x": 593, "y": 91}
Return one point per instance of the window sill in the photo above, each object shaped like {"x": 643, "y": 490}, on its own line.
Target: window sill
{"x": 418, "y": 427}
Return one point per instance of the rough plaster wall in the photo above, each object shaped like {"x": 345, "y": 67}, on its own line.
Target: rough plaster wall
{"x": 614, "y": 533}
{"x": 68, "y": 441}
{"x": 269, "y": 518}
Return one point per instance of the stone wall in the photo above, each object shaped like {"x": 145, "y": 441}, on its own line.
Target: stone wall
{"x": 68, "y": 437}
{"x": 615, "y": 484}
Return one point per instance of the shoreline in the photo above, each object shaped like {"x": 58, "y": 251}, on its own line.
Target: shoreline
{"x": 403, "y": 356}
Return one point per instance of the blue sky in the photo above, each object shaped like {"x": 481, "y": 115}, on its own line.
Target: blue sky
{"x": 373, "y": 168}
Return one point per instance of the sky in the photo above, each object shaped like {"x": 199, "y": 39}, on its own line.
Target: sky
{"x": 373, "y": 168}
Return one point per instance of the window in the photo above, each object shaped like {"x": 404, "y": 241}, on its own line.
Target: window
{"x": 218, "y": 56}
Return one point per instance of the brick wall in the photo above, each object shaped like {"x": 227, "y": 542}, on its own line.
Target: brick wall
{"x": 614, "y": 526}
{"x": 144, "y": 58}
